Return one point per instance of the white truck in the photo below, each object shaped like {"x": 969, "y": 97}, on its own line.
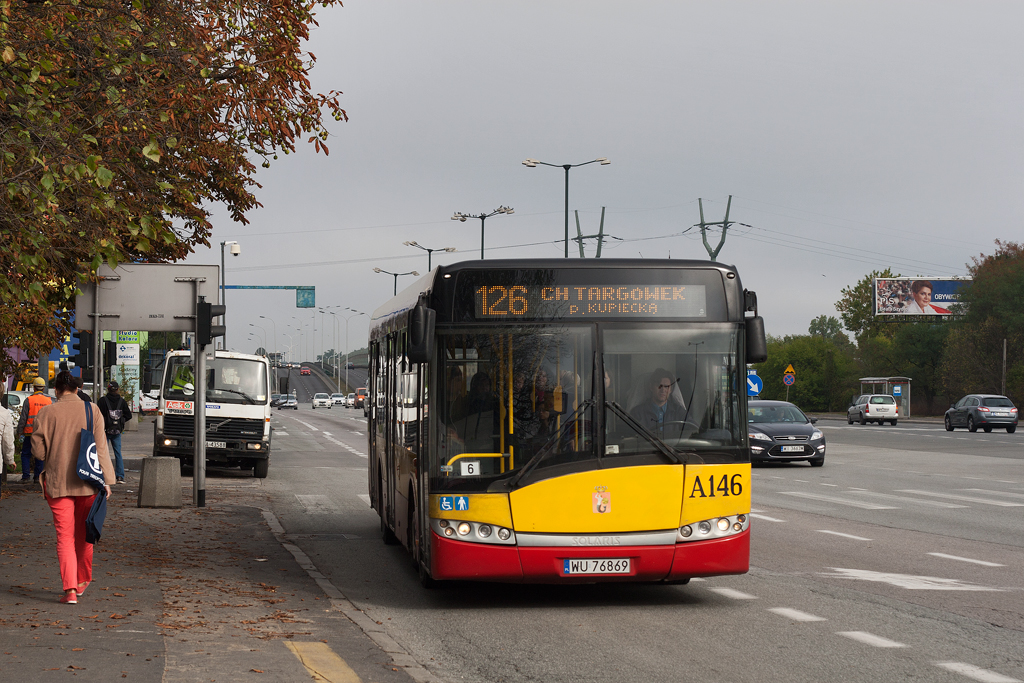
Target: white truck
{"x": 238, "y": 431}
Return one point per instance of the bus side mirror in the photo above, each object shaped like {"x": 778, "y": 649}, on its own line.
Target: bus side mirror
{"x": 421, "y": 334}
{"x": 757, "y": 344}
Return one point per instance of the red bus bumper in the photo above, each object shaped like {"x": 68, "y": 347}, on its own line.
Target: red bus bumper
{"x": 451, "y": 559}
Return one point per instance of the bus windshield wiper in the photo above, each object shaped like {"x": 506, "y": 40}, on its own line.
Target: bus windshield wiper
{"x": 549, "y": 446}
{"x": 666, "y": 450}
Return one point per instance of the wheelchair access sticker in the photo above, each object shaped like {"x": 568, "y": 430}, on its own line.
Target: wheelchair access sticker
{"x": 451, "y": 503}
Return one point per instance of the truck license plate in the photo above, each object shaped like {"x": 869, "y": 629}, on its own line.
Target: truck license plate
{"x": 216, "y": 444}
{"x": 590, "y": 566}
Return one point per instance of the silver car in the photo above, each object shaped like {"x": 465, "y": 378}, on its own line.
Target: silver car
{"x": 880, "y": 408}
{"x": 982, "y": 410}
{"x": 322, "y": 400}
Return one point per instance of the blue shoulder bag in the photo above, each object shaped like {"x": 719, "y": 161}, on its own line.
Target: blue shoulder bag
{"x": 89, "y": 470}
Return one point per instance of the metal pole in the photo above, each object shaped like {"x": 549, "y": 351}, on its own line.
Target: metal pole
{"x": 396, "y": 284}
{"x": 346, "y": 355}
{"x": 199, "y": 466}
{"x": 567, "y": 167}
{"x": 97, "y": 343}
{"x": 429, "y": 252}
{"x": 223, "y": 319}
{"x": 482, "y": 219}
{"x": 1003, "y": 390}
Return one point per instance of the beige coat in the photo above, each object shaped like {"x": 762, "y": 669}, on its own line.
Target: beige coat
{"x": 56, "y": 437}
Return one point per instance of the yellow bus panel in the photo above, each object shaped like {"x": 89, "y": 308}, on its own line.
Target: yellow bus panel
{"x": 715, "y": 491}
{"x": 486, "y": 508}
{"x": 615, "y": 500}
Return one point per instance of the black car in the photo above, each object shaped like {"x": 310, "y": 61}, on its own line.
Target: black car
{"x": 780, "y": 432}
{"x": 982, "y": 410}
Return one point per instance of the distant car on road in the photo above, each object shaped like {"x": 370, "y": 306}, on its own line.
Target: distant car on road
{"x": 360, "y": 397}
{"x": 338, "y": 399}
{"x": 304, "y": 371}
{"x": 291, "y": 402}
{"x": 350, "y": 401}
{"x": 880, "y": 408}
{"x": 982, "y": 410}
{"x": 780, "y": 432}
{"x": 321, "y": 400}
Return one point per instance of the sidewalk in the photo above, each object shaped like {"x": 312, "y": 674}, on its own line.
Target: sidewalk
{"x": 177, "y": 595}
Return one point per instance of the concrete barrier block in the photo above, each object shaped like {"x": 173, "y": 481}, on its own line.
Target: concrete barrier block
{"x": 160, "y": 483}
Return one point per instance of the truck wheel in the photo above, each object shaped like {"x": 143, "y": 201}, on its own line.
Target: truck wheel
{"x": 261, "y": 468}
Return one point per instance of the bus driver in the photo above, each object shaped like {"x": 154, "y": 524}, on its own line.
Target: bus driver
{"x": 662, "y": 413}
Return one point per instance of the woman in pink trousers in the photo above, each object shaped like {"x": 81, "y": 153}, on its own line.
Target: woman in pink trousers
{"x": 56, "y": 438}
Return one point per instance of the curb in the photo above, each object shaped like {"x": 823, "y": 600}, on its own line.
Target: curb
{"x": 374, "y": 631}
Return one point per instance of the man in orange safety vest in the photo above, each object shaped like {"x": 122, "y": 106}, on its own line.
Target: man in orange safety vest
{"x": 33, "y": 404}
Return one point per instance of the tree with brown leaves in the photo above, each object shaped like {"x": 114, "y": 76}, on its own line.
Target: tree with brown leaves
{"x": 122, "y": 121}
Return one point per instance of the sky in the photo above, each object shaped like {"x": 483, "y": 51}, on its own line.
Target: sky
{"x": 852, "y": 136}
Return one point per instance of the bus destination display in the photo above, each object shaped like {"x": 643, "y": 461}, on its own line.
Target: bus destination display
{"x": 532, "y": 302}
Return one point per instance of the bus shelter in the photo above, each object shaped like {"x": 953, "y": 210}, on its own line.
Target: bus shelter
{"x": 897, "y": 387}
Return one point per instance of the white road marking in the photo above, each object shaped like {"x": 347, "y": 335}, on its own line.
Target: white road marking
{"x": 967, "y": 559}
{"x": 870, "y": 639}
{"x": 279, "y": 433}
{"x": 916, "y": 501}
{"x": 358, "y": 433}
{"x": 975, "y": 672}
{"x": 969, "y": 499}
{"x": 830, "y": 484}
{"x": 766, "y": 518}
{"x": 995, "y": 493}
{"x": 795, "y": 615}
{"x": 365, "y": 497}
{"x": 908, "y": 581}
{"x": 317, "y": 505}
{"x": 306, "y": 425}
{"x": 348, "y": 448}
{"x": 839, "y": 533}
{"x": 733, "y": 593}
{"x": 802, "y": 481}
{"x": 838, "y": 501}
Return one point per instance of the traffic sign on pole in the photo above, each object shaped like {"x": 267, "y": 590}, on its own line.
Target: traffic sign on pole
{"x": 789, "y": 379}
{"x": 754, "y": 385}
{"x": 789, "y": 370}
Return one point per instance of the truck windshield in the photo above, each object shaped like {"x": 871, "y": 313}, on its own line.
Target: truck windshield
{"x": 228, "y": 380}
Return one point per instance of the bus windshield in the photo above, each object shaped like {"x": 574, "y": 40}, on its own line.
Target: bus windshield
{"x": 675, "y": 386}
{"x": 228, "y": 380}
{"x": 510, "y": 393}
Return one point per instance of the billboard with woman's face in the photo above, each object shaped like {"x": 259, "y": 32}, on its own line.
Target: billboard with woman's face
{"x": 916, "y": 296}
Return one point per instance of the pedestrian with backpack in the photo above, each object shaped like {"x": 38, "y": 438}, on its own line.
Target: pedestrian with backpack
{"x": 116, "y": 412}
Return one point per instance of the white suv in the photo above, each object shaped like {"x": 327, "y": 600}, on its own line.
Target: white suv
{"x": 322, "y": 401}
{"x": 880, "y": 408}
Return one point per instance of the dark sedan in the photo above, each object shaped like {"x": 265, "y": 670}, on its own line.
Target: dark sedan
{"x": 982, "y": 410}
{"x": 780, "y": 432}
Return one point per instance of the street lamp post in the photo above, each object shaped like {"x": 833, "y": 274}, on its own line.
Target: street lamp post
{"x": 429, "y": 251}
{"x": 275, "y": 332}
{"x": 388, "y": 272}
{"x": 458, "y": 216}
{"x": 533, "y": 163}
{"x": 354, "y": 314}
{"x": 291, "y": 343}
{"x": 236, "y": 249}
{"x": 264, "y": 342}
{"x": 302, "y": 343}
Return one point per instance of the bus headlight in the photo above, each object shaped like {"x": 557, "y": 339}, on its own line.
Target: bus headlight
{"x": 504, "y": 534}
{"x": 448, "y": 531}
{"x": 715, "y": 528}
{"x": 484, "y": 530}
{"x": 464, "y": 528}
{"x": 473, "y": 532}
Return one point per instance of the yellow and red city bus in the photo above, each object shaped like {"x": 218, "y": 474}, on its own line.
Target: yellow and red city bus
{"x": 565, "y": 421}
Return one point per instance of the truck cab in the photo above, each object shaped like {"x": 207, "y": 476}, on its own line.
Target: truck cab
{"x": 238, "y": 431}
